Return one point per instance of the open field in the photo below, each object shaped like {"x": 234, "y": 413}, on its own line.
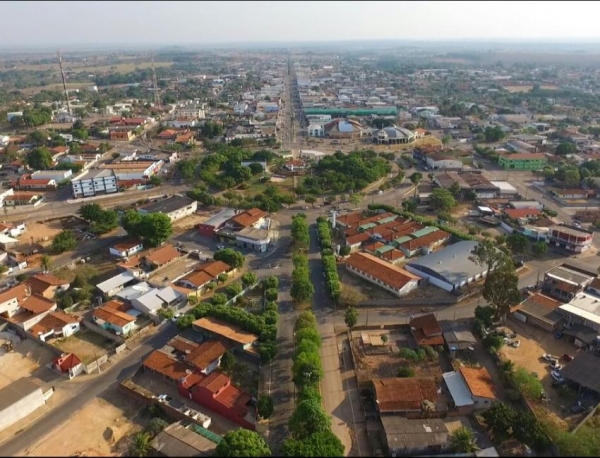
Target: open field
{"x": 86, "y": 344}
{"x": 189, "y": 222}
{"x": 526, "y": 88}
{"x": 285, "y": 186}
{"x": 55, "y": 87}
{"x": 41, "y": 233}
{"x": 102, "y": 428}
{"x": 173, "y": 271}
{"x": 91, "y": 68}
{"x": 26, "y": 358}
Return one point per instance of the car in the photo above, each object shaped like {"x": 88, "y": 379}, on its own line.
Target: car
{"x": 511, "y": 335}
{"x": 548, "y": 357}
{"x": 557, "y": 377}
{"x": 556, "y": 366}
{"x": 220, "y": 247}
{"x": 567, "y": 358}
{"x": 515, "y": 344}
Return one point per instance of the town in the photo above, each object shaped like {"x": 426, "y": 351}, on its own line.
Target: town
{"x": 294, "y": 253}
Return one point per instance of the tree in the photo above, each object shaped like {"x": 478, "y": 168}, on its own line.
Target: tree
{"x": 409, "y": 205}
{"x": 344, "y": 250}
{"x": 249, "y": 279}
{"x": 442, "y": 200}
{"x": 487, "y": 255}
{"x": 500, "y": 420}
{"x": 222, "y": 278}
{"x": 485, "y": 315}
{"x": 356, "y": 198}
{"x": 39, "y": 159}
{"x": 351, "y": 317}
{"x": 539, "y": 248}
{"x": 256, "y": 168}
{"x": 242, "y": 442}
{"x": 565, "y": 149}
{"x": 501, "y": 289}
{"x": 405, "y": 372}
{"x": 310, "y": 200}
{"x": 155, "y": 180}
{"x": 493, "y": 134}
{"x": 463, "y": 440}
{"x": 64, "y": 241}
{"x": 517, "y": 242}
{"x": 155, "y": 228}
{"x": 307, "y": 368}
{"x": 231, "y": 257}
{"x": 131, "y": 223}
{"x": 166, "y": 313}
{"x": 446, "y": 139}
{"x": 572, "y": 177}
{"x": 415, "y": 179}
{"x": 156, "y": 425}
{"x": 270, "y": 282}
{"x": 227, "y": 362}
{"x": 90, "y": 212}
{"x": 141, "y": 444}
{"x": 45, "y": 262}
{"x": 308, "y": 418}
{"x": 271, "y": 295}
{"x": 321, "y": 444}
{"x": 38, "y": 137}
{"x": 265, "y": 406}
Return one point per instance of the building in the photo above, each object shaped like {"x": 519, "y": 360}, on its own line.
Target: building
{"x": 56, "y": 324}
{"x": 584, "y": 371}
{"x": 538, "y": 310}
{"x": 209, "y": 227}
{"x": 205, "y": 356}
{"x": 253, "y": 238}
{"x": 155, "y": 299}
{"x": 161, "y": 257}
{"x": 115, "y": 284}
{"x": 316, "y": 130}
{"x": 126, "y": 248}
{"x": 27, "y": 182}
{"x": 115, "y": 316}
{"x": 68, "y": 364}
{"x": 405, "y": 437}
{"x": 175, "y": 207}
{"x": 381, "y": 273}
{"x": 311, "y": 155}
{"x": 46, "y": 285}
{"x": 449, "y": 268}
{"x": 93, "y": 183}
{"x": 21, "y": 308}
{"x": 343, "y": 129}
{"x": 523, "y": 161}
{"x": 19, "y": 399}
{"x": 563, "y": 282}
{"x": 426, "y": 330}
{"x": 423, "y": 241}
{"x": 123, "y": 134}
{"x": 203, "y": 274}
{"x": 476, "y": 183}
{"x": 254, "y": 217}
{"x": 238, "y": 338}
{"x": 443, "y": 162}
{"x": 134, "y": 170}
{"x": 413, "y": 397}
{"x": 457, "y": 335}
{"x": 179, "y": 440}
{"x": 570, "y": 239}
{"x": 471, "y": 389}
{"x": 393, "y": 135}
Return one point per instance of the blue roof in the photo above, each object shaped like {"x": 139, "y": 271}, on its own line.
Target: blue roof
{"x": 344, "y": 126}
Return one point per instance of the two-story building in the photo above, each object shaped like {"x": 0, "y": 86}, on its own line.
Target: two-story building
{"x": 570, "y": 239}
{"x": 175, "y": 207}
{"x": 523, "y": 161}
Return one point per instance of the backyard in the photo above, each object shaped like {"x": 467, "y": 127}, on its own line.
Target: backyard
{"x": 86, "y": 344}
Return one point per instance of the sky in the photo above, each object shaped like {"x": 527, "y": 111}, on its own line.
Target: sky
{"x": 84, "y": 23}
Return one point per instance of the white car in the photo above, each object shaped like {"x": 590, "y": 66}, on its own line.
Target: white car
{"x": 220, "y": 247}
{"x": 515, "y": 344}
{"x": 548, "y": 357}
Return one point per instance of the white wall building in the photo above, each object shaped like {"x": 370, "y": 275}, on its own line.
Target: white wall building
{"x": 94, "y": 182}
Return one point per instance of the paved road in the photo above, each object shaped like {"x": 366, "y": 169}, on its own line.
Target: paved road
{"x": 122, "y": 369}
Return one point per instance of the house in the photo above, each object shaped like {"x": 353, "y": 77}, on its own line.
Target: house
{"x": 212, "y": 327}
{"x": 22, "y": 308}
{"x": 383, "y": 274}
{"x": 115, "y": 284}
{"x": 457, "y": 335}
{"x": 256, "y": 239}
{"x": 426, "y": 330}
{"x": 343, "y": 129}
{"x": 424, "y": 241}
{"x": 413, "y": 397}
{"x": 594, "y": 287}
{"x": 155, "y": 299}
{"x": 254, "y": 217}
{"x": 294, "y": 165}
{"x": 563, "y": 282}
{"x": 56, "y": 175}
{"x": 316, "y": 130}
{"x": 582, "y": 371}
{"x": 209, "y": 227}
{"x": 177, "y": 440}
{"x": 114, "y": 316}
{"x": 475, "y": 183}
{"x": 46, "y": 285}
{"x": 93, "y": 183}
{"x": 570, "y": 239}
{"x": 27, "y": 181}
{"x": 480, "y": 386}
{"x": 68, "y": 364}
{"x": 123, "y": 134}
{"x": 56, "y": 324}
{"x": 203, "y": 274}
{"x": 443, "y": 162}
{"x": 126, "y": 248}
{"x": 538, "y": 310}
{"x": 175, "y": 207}
{"x": 161, "y": 257}
{"x": 311, "y": 155}
{"x": 522, "y": 213}
{"x": 134, "y": 170}
{"x": 449, "y": 268}
{"x": 168, "y": 134}
{"x": 19, "y": 399}
{"x": 571, "y": 193}
{"x": 523, "y": 161}
{"x": 205, "y": 356}
{"x": 23, "y": 198}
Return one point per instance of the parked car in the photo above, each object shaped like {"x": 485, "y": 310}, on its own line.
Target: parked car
{"x": 556, "y": 366}
{"x": 220, "y": 247}
{"x": 515, "y": 344}
{"x": 567, "y": 358}
{"x": 548, "y": 357}
{"x": 557, "y": 377}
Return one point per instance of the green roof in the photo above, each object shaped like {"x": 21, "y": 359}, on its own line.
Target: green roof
{"x": 401, "y": 240}
{"x": 424, "y": 231}
{"x": 366, "y": 226}
{"x": 389, "y": 219}
{"x": 384, "y": 249}
{"x": 352, "y": 111}
{"x": 205, "y": 433}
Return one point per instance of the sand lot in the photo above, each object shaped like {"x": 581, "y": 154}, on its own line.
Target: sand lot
{"x": 102, "y": 428}
{"x": 22, "y": 362}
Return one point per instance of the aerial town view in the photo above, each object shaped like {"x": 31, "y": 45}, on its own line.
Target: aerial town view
{"x": 299, "y": 229}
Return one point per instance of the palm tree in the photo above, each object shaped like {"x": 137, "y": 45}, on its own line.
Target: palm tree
{"x": 140, "y": 445}
{"x": 463, "y": 440}
{"x": 45, "y": 262}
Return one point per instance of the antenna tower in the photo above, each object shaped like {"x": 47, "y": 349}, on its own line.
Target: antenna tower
{"x": 156, "y": 94}
{"x": 64, "y": 82}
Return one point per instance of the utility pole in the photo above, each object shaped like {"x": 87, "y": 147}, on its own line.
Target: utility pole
{"x": 64, "y": 82}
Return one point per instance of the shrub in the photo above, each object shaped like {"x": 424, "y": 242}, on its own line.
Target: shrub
{"x": 271, "y": 282}
{"x": 271, "y": 295}
{"x": 265, "y": 406}
{"x": 431, "y": 353}
{"x": 408, "y": 354}
{"x": 421, "y": 355}
{"x": 406, "y": 371}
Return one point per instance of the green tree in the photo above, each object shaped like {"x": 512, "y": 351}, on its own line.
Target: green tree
{"x": 270, "y": 282}
{"x": 249, "y": 279}
{"x": 64, "y": 241}
{"x": 409, "y": 205}
{"x": 39, "y": 159}
{"x": 442, "y": 200}
{"x": 356, "y": 198}
{"x": 493, "y": 134}
{"x": 233, "y": 290}
{"x": 155, "y": 228}
{"x": 310, "y": 200}
{"x": 140, "y": 445}
{"x": 405, "y": 372}
{"x": 156, "y": 425}
{"x": 500, "y": 420}
{"x": 539, "y": 248}
{"x": 45, "y": 262}
{"x": 90, "y": 212}
{"x": 501, "y": 289}
{"x": 415, "y": 179}
{"x": 231, "y": 257}
{"x": 565, "y": 149}
{"x": 485, "y": 314}
{"x": 463, "y": 440}
{"x": 344, "y": 250}
{"x": 307, "y": 368}
{"x": 242, "y": 442}
{"x": 320, "y": 444}
{"x": 308, "y": 418}
{"x": 219, "y": 299}
{"x": 302, "y": 290}
{"x": 227, "y": 363}
{"x": 222, "y": 278}
{"x": 572, "y": 177}
{"x": 487, "y": 255}
{"x": 517, "y": 242}
{"x": 265, "y": 406}
{"x": 131, "y": 222}
{"x": 351, "y": 317}
{"x": 271, "y": 295}
{"x": 155, "y": 180}
{"x": 166, "y": 313}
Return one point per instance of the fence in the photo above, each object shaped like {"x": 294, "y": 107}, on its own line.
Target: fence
{"x": 244, "y": 291}
{"x": 104, "y": 333}
{"x": 88, "y": 368}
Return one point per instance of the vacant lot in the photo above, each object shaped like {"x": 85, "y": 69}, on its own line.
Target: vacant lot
{"x": 90, "y": 68}
{"x": 189, "y": 222}
{"x": 26, "y": 359}
{"x": 41, "y": 233}
{"x": 86, "y": 344}
{"x": 534, "y": 343}
{"x": 102, "y": 428}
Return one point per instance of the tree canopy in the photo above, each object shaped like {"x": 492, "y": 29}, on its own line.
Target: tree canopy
{"x": 39, "y": 158}
{"x": 153, "y": 228}
{"x": 242, "y": 442}
{"x": 501, "y": 289}
{"x": 230, "y": 256}
{"x": 442, "y": 199}
{"x": 64, "y": 241}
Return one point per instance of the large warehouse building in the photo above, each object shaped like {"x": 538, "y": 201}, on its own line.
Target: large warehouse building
{"x": 449, "y": 268}
{"x": 18, "y": 400}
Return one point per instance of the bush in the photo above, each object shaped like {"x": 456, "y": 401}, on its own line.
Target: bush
{"x": 421, "y": 355}
{"x": 406, "y": 371}
{"x": 493, "y": 343}
{"x": 530, "y": 386}
{"x": 265, "y": 406}
{"x": 408, "y": 354}
{"x": 232, "y": 290}
{"x": 271, "y": 295}
{"x": 271, "y": 282}
{"x": 431, "y": 353}
{"x": 271, "y": 307}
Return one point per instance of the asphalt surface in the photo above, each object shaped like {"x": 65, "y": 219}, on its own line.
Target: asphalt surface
{"x": 119, "y": 371}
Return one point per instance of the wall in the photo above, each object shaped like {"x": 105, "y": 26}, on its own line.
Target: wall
{"x": 21, "y": 408}
{"x": 98, "y": 330}
{"x": 93, "y": 366}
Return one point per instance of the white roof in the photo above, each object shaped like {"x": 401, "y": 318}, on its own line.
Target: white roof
{"x": 311, "y": 152}
{"x": 154, "y": 299}
{"x": 115, "y": 282}
{"x": 135, "y": 291}
{"x": 168, "y": 294}
{"x": 485, "y": 209}
{"x": 585, "y": 306}
{"x": 504, "y": 186}
{"x": 458, "y": 389}
{"x": 4, "y": 239}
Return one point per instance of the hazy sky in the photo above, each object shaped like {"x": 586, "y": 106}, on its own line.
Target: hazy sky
{"x": 196, "y": 22}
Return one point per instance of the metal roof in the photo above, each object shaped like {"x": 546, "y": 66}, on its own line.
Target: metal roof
{"x": 16, "y": 391}
{"x": 458, "y": 389}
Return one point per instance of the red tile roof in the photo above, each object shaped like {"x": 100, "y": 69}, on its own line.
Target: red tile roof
{"x": 37, "y": 304}
{"x": 401, "y": 394}
{"x": 479, "y": 381}
{"x": 248, "y": 217}
{"x": 206, "y": 353}
{"x": 426, "y": 330}
{"x": 388, "y": 273}
{"x": 39, "y": 283}
{"x": 66, "y": 362}
{"x": 163, "y": 255}
{"x": 515, "y": 213}
{"x": 425, "y": 241}
{"x": 167, "y": 366}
